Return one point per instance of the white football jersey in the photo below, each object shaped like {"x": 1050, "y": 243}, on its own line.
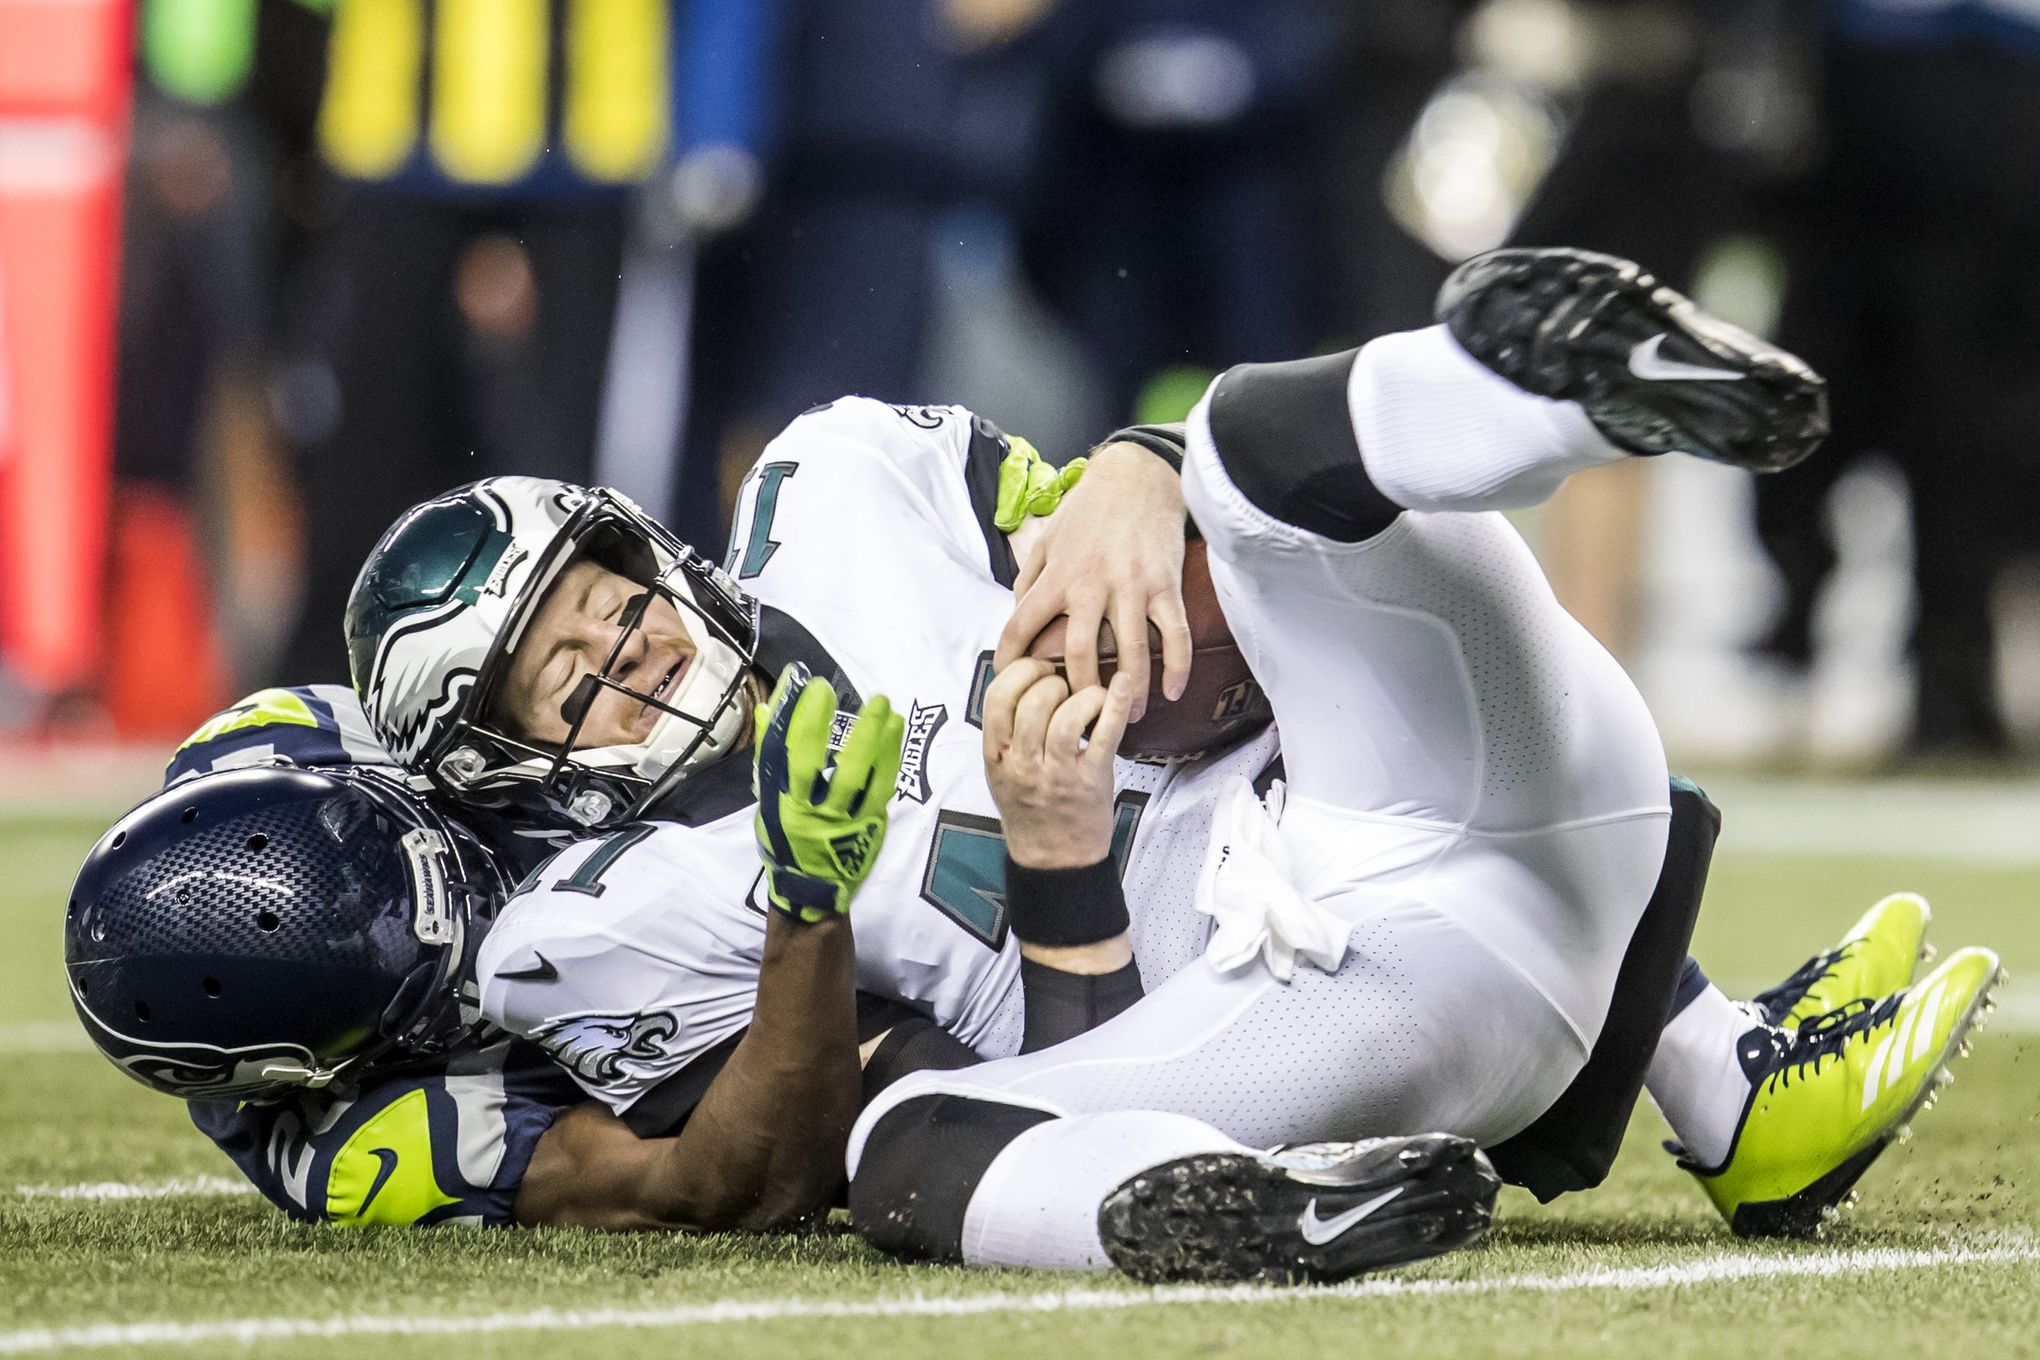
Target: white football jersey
{"x": 634, "y": 956}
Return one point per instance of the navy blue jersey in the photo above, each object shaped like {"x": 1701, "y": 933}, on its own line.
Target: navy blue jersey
{"x": 316, "y": 726}
{"x": 445, "y": 1142}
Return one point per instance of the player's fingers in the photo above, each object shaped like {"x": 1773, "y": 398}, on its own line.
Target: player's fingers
{"x": 1129, "y": 630}
{"x": 1034, "y": 713}
{"x": 863, "y": 751}
{"x": 1174, "y": 625}
{"x": 1033, "y": 610}
{"x": 1001, "y": 698}
{"x": 773, "y": 768}
{"x": 807, "y": 736}
{"x": 888, "y": 738}
{"x": 1080, "y": 643}
{"x": 1072, "y": 717}
{"x": 1114, "y": 713}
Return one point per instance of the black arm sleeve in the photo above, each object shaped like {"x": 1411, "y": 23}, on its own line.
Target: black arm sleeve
{"x": 1063, "y": 1005}
{"x": 1068, "y": 908}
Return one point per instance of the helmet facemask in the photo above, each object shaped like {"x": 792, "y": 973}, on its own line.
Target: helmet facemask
{"x": 698, "y": 713}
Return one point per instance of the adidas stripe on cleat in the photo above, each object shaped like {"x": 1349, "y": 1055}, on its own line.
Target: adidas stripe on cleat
{"x": 1827, "y": 1099}
{"x": 1317, "y": 1212}
{"x": 1652, "y": 371}
{"x": 1876, "y": 957}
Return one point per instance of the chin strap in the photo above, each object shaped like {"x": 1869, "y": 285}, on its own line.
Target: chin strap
{"x": 297, "y": 1074}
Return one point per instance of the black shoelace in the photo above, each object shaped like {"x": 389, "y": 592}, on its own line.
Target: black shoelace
{"x": 1785, "y": 1054}
{"x": 1779, "y": 1000}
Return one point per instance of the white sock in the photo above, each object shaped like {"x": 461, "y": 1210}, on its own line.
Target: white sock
{"x": 1697, "y": 1080}
{"x": 1038, "y": 1202}
{"x": 1438, "y": 431}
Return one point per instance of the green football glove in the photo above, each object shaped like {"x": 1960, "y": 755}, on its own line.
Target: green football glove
{"x": 820, "y": 825}
{"x": 1029, "y": 486}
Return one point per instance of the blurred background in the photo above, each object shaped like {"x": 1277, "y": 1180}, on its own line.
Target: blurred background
{"x": 272, "y": 270}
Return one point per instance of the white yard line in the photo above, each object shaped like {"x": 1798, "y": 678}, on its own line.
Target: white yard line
{"x": 1706, "y": 1270}
{"x": 186, "y": 1185}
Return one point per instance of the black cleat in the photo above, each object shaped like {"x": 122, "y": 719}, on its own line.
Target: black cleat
{"x": 1317, "y": 1212}
{"x": 1652, "y": 371}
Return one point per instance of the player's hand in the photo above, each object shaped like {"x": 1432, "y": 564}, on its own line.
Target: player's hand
{"x": 1112, "y": 551}
{"x": 1052, "y": 786}
{"x": 820, "y": 825}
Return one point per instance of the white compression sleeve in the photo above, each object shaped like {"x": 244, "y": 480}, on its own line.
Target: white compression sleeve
{"x": 1438, "y": 431}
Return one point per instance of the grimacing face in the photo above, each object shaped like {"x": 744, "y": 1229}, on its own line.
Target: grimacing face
{"x": 569, "y": 638}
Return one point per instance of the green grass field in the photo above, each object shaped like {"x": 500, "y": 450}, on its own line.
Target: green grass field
{"x": 120, "y": 1232}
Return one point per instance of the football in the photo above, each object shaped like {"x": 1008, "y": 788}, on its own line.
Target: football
{"x": 1223, "y": 701}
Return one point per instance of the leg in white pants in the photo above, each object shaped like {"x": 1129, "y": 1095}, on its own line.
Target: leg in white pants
{"x": 1474, "y": 785}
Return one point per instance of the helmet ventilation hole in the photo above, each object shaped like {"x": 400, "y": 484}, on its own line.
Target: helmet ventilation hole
{"x": 119, "y": 839}
{"x": 84, "y": 987}
{"x": 142, "y": 1011}
{"x": 212, "y": 986}
{"x": 190, "y": 815}
{"x": 258, "y": 841}
{"x": 267, "y": 920}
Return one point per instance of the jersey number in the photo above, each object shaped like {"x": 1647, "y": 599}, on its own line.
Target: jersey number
{"x": 588, "y": 878}
{"x": 965, "y": 878}
{"x": 760, "y": 546}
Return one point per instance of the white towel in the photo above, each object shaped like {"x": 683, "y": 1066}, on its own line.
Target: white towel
{"x": 1247, "y": 889}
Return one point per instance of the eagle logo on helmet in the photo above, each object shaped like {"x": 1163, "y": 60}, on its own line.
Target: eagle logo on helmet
{"x": 451, "y": 591}
{"x": 436, "y": 594}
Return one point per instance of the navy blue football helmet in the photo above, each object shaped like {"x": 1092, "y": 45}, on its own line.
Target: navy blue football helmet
{"x": 245, "y": 934}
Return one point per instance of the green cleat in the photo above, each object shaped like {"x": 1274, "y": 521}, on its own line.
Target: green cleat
{"x": 1827, "y": 1098}
{"x": 1874, "y": 959}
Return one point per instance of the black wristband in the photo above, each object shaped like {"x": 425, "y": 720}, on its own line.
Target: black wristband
{"x": 1061, "y": 908}
{"x": 1166, "y": 442}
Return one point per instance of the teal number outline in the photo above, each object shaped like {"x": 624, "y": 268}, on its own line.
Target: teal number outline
{"x": 968, "y": 853}
{"x": 760, "y": 545}
{"x": 588, "y": 877}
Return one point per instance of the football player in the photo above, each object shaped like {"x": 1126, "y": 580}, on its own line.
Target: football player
{"x": 1425, "y": 929}
{"x": 533, "y": 646}
{"x": 285, "y": 938}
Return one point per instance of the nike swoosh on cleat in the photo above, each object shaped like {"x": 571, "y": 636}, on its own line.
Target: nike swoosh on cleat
{"x": 542, "y": 971}
{"x": 1318, "y": 1231}
{"x": 1646, "y": 363}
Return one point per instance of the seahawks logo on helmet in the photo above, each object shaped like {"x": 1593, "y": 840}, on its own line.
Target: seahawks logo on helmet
{"x": 604, "y": 1049}
{"x": 200, "y": 1071}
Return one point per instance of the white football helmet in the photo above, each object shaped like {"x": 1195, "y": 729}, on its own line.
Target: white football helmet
{"x": 444, "y": 600}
